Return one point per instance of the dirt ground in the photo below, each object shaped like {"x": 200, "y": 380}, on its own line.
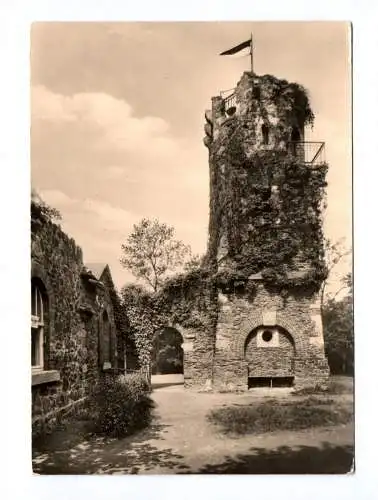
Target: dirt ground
{"x": 181, "y": 440}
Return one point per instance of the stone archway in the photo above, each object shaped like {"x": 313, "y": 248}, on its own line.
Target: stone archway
{"x": 268, "y": 319}
{"x": 167, "y": 356}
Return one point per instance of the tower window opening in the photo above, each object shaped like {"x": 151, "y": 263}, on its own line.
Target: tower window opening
{"x": 295, "y": 139}
{"x": 295, "y": 135}
{"x": 256, "y": 92}
{"x": 265, "y": 134}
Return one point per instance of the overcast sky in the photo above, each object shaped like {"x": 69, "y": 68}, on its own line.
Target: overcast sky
{"x": 118, "y": 115}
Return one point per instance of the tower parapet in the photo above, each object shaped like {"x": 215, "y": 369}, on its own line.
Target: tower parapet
{"x": 273, "y": 114}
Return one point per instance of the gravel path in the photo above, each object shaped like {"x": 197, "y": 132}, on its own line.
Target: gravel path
{"x": 181, "y": 440}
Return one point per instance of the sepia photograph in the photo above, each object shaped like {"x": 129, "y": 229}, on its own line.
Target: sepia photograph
{"x": 191, "y": 242}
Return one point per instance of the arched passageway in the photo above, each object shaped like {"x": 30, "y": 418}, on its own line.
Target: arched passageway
{"x": 167, "y": 355}
{"x": 270, "y": 353}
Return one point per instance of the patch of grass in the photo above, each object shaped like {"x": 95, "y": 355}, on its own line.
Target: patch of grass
{"x": 314, "y": 400}
{"x": 341, "y": 385}
{"x": 337, "y": 385}
{"x": 278, "y": 415}
{"x": 317, "y": 389}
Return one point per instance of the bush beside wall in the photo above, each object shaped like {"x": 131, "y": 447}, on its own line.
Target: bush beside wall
{"x": 122, "y": 406}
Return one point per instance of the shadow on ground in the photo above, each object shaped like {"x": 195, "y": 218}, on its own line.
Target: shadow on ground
{"x": 68, "y": 452}
{"x": 326, "y": 459}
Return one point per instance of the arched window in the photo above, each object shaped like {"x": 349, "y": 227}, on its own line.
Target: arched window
{"x": 265, "y": 134}
{"x": 106, "y": 337}
{"x": 38, "y": 317}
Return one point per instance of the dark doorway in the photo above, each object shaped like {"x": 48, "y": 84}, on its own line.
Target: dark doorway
{"x": 271, "y": 382}
{"x": 167, "y": 352}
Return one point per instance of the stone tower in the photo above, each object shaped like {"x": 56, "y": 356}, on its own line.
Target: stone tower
{"x": 265, "y": 242}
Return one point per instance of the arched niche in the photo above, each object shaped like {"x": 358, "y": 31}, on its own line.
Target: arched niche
{"x": 269, "y": 353}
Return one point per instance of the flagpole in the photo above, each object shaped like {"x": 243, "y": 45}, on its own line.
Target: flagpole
{"x": 251, "y": 53}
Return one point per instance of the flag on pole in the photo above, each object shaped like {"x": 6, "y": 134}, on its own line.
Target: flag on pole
{"x": 241, "y": 47}
{"x": 246, "y": 47}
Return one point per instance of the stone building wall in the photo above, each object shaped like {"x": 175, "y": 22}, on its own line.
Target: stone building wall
{"x": 188, "y": 303}
{"x": 198, "y": 350}
{"x": 237, "y": 355}
{"x": 124, "y": 347}
{"x": 72, "y": 327}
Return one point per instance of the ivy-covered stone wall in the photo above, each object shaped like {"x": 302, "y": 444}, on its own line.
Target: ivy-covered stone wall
{"x": 72, "y": 329}
{"x": 265, "y": 203}
{"x": 120, "y": 329}
{"x": 188, "y": 303}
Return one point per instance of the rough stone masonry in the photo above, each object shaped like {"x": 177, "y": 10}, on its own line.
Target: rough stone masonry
{"x": 79, "y": 331}
{"x": 262, "y": 335}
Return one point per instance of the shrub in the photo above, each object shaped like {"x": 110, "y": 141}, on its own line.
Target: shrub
{"x": 121, "y": 406}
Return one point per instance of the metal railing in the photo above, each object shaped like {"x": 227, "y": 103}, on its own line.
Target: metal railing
{"x": 230, "y": 103}
{"x": 310, "y": 152}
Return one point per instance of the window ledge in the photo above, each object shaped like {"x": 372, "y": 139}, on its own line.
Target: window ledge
{"x": 45, "y": 377}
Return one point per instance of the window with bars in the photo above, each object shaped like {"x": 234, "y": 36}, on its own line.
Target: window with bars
{"x": 37, "y": 327}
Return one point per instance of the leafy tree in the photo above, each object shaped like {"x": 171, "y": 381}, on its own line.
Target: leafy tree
{"x": 194, "y": 262}
{"x": 339, "y": 330}
{"x": 334, "y": 253}
{"x": 151, "y": 252}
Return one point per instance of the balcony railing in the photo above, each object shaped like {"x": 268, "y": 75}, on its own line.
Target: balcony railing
{"x": 230, "y": 104}
{"x": 311, "y": 153}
